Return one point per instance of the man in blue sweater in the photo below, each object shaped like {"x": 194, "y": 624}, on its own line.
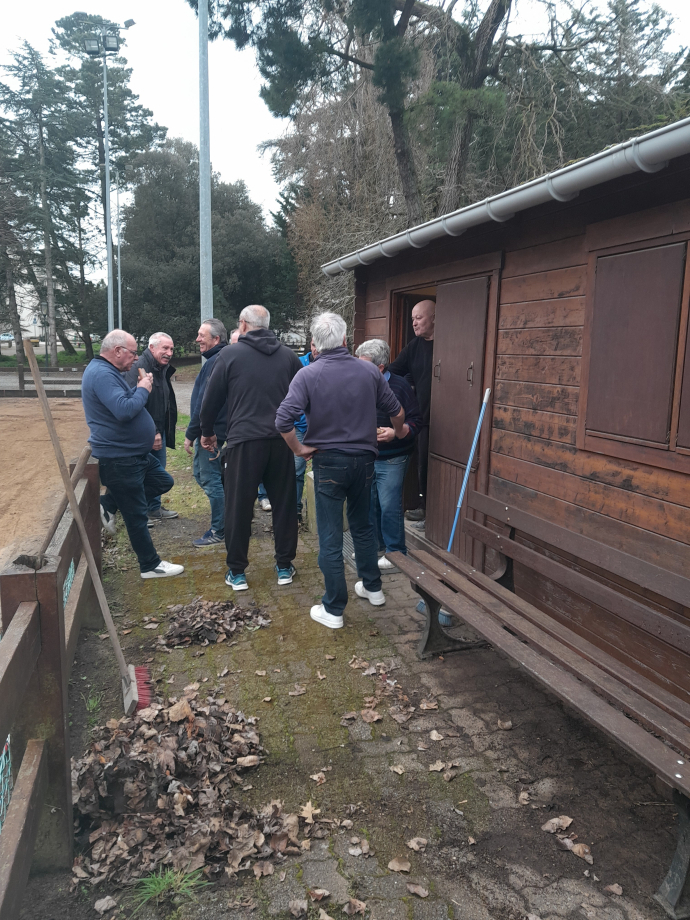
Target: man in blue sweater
{"x": 212, "y": 338}
{"x": 122, "y": 435}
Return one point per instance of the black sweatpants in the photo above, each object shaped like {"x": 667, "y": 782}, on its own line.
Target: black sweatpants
{"x": 245, "y": 465}
{"x": 423, "y": 461}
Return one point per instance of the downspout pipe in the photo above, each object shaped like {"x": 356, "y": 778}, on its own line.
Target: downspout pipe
{"x": 648, "y": 153}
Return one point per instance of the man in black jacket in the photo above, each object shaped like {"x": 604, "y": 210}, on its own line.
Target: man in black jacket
{"x": 161, "y": 406}
{"x": 254, "y": 377}
{"x": 415, "y": 361}
{"x": 212, "y": 338}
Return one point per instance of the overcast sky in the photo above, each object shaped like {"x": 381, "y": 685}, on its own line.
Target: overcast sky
{"x": 162, "y": 49}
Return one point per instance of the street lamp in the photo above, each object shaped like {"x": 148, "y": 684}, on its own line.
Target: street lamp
{"x": 119, "y": 270}
{"x": 97, "y": 45}
{"x": 44, "y": 317}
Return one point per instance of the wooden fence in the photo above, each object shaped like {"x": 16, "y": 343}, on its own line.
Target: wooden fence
{"x": 42, "y": 611}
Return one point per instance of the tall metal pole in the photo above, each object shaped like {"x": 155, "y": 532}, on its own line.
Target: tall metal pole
{"x": 108, "y": 231}
{"x": 119, "y": 271}
{"x": 205, "y": 255}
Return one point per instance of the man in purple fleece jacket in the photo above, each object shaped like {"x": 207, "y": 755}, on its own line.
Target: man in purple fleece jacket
{"x": 340, "y": 396}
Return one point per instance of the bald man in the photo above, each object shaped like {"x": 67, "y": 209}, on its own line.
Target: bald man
{"x": 415, "y": 361}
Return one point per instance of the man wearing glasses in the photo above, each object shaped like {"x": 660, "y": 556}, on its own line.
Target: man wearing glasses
{"x": 122, "y": 436}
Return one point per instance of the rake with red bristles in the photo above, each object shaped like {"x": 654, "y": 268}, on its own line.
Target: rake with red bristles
{"x": 136, "y": 682}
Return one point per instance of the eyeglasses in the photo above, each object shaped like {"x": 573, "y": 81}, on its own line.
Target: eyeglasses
{"x": 124, "y": 348}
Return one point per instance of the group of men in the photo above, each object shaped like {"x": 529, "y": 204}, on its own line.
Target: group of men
{"x": 258, "y": 414}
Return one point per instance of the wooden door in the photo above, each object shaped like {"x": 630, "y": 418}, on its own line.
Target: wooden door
{"x": 456, "y": 396}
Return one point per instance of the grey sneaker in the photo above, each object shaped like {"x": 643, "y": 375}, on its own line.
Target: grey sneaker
{"x": 163, "y": 514}
{"x": 417, "y": 515}
{"x": 108, "y": 522}
{"x": 265, "y": 505}
{"x": 164, "y": 570}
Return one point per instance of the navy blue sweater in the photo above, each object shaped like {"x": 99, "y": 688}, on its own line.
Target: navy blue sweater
{"x": 413, "y": 416}
{"x": 120, "y": 425}
{"x": 194, "y": 428}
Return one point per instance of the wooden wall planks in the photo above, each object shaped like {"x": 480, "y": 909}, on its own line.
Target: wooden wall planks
{"x": 547, "y": 342}
{"x": 547, "y": 425}
{"x": 561, "y": 371}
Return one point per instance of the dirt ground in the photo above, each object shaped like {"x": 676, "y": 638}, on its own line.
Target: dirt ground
{"x": 31, "y": 483}
{"x": 486, "y": 857}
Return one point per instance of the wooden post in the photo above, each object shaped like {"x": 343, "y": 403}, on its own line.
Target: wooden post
{"x": 44, "y": 712}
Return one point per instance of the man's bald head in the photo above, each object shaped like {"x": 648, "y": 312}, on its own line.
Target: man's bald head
{"x": 120, "y": 349}
{"x": 423, "y": 319}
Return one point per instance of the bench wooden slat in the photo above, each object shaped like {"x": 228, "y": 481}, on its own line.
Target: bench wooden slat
{"x": 651, "y": 621}
{"x": 19, "y": 651}
{"x": 622, "y": 694}
{"x": 661, "y": 582}
{"x": 654, "y": 753}
{"x": 20, "y": 828}
{"x": 661, "y": 696}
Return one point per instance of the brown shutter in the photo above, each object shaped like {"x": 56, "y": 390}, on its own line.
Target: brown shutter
{"x": 634, "y": 339}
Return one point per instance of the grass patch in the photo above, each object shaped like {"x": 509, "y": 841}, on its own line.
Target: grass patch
{"x": 168, "y": 886}
{"x": 64, "y": 360}
{"x": 93, "y": 703}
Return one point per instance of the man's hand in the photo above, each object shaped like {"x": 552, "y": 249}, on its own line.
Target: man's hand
{"x": 146, "y": 382}
{"x": 299, "y": 450}
{"x": 157, "y": 441}
{"x": 388, "y": 434}
{"x": 189, "y": 446}
{"x": 210, "y": 444}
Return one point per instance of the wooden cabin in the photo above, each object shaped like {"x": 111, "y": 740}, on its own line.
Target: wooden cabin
{"x": 569, "y": 298}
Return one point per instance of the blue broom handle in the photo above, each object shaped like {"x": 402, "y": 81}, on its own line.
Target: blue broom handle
{"x": 469, "y": 466}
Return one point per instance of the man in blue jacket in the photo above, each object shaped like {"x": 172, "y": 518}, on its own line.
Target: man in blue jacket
{"x": 212, "y": 338}
{"x": 122, "y": 435}
{"x": 394, "y": 456}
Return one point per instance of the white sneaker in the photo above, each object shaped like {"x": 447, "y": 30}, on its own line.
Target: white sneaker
{"x": 164, "y": 570}
{"x": 385, "y": 564}
{"x": 374, "y": 597}
{"x": 108, "y": 522}
{"x": 321, "y": 615}
{"x": 265, "y": 505}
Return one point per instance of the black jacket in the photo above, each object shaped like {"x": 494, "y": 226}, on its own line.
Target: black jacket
{"x": 405, "y": 396}
{"x": 254, "y": 376}
{"x": 194, "y": 428}
{"x": 414, "y": 362}
{"x": 161, "y": 405}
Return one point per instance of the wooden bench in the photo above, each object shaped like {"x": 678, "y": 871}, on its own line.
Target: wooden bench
{"x": 644, "y": 710}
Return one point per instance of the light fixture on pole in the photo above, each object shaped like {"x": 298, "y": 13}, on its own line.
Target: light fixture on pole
{"x": 105, "y": 44}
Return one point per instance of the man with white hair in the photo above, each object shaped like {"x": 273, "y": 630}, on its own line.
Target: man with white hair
{"x": 340, "y": 396}
{"x": 162, "y": 406}
{"x": 253, "y": 376}
{"x": 122, "y": 434}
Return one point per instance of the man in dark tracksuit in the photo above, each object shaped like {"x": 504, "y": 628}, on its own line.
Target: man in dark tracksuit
{"x": 415, "y": 361}
{"x": 162, "y": 406}
{"x": 212, "y": 337}
{"x": 254, "y": 377}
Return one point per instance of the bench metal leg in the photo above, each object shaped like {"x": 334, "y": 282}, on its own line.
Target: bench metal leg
{"x": 672, "y": 894}
{"x": 435, "y": 640}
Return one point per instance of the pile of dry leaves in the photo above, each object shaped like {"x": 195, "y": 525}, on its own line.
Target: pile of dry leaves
{"x": 156, "y": 790}
{"x": 204, "y": 622}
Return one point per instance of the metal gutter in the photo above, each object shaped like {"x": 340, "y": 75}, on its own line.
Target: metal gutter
{"x": 648, "y": 153}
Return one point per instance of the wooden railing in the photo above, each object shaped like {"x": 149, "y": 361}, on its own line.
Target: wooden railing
{"x": 44, "y": 601}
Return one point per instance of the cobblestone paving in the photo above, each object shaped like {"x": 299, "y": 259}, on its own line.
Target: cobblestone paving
{"x": 486, "y": 855}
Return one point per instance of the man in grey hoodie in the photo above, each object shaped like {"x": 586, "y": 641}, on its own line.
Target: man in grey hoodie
{"x": 254, "y": 377}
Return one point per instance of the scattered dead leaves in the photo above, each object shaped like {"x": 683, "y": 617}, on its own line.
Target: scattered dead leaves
{"x": 354, "y": 906}
{"x": 156, "y": 791}
{"x": 205, "y": 622}
{"x": 614, "y": 889}
{"x": 561, "y": 823}
{"x": 399, "y": 865}
{"x": 505, "y": 726}
{"x": 418, "y": 844}
{"x": 418, "y": 890}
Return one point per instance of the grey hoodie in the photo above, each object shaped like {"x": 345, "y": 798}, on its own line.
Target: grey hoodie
{"x": 254, "y": 377}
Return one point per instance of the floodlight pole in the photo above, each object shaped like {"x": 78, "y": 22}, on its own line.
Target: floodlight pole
{"x": 108, "y": 230}
{"x": 119, "y": 270}
{"x": 205, "y": 251}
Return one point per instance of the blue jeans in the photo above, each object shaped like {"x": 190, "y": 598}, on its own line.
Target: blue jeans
{"x": 386, "y": 503}
{"x": 161, "y": 456}
{"x": 132, "y": 483}
{"x": 300, "y": 470}
{"x": 340, "y": 477}
{"x": 261, "y": 493}
{"x": 207, "y": 472}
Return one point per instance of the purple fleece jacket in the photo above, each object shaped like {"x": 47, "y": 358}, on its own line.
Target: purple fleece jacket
{"x": 339, "y": 395}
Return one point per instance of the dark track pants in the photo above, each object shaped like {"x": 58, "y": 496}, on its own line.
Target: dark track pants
{"x": 245, "y": 465}
{"x": 423, "y": 461}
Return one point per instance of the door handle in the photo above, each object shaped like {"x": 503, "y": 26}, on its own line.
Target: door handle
{"x": 437, "y": 370}
{"x": 470, "y": 374}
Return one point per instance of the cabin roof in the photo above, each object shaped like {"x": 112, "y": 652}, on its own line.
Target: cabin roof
{"x": 648, "y": 153}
